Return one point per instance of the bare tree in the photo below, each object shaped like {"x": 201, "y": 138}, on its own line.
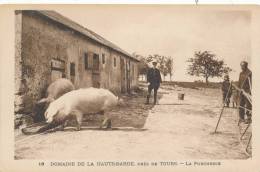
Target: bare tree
{"x": 206, "y": 64}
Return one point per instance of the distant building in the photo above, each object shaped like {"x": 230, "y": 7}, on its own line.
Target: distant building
{"x": 50, "y": 46}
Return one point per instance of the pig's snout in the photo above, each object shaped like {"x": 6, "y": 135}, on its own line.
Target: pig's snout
{"x": 49, "y": 120}
{"x": 120, "y": 102}
{"x": 48, "y": 117}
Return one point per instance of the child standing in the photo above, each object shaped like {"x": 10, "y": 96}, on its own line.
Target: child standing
{"x": 226, "y": 90}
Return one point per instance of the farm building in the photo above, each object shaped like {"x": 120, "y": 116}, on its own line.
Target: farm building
{"x": 50, "y": 46}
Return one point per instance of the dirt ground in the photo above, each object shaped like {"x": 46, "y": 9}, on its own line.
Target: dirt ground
{"x": 171, "y": 130}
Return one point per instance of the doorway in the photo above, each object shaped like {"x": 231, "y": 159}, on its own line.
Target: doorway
{"x": 72, "y": 72}
{"x": 123, "y": 75}
{"x": 128, "y": 76}
{"x": 96, "y": 71}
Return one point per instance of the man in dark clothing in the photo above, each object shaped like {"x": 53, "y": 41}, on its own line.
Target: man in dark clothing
{"x": 226, "y": 90}
{"x": 245, "y": 83}
{"x": 154, "y": 78}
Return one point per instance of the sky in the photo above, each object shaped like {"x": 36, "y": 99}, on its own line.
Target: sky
{"x": 172, "y": 31}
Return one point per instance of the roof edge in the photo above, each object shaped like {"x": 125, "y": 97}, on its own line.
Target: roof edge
{"x": 82, "y": 30}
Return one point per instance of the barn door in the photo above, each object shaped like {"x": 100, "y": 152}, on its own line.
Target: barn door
{"x": 128, "y": 76}
{"x": 123, "y": 75}
{"x": 72, "y": 72}
{"x": 96, "y": 71}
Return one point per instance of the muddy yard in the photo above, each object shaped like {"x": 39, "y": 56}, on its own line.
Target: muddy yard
{"x": 171, "y": 130}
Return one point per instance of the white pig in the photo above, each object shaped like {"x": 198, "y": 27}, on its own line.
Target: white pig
{"x": 81, "y": 102}
{"x": 57, "y": 89}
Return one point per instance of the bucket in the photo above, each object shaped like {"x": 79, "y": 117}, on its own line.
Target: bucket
{"x": 181, "y": 96}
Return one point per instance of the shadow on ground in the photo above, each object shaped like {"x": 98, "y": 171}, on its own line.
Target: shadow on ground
{"x": 133, "y": 112}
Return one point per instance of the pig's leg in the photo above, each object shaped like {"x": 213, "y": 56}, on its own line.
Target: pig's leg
{"x": 79, "y": 117}
{"x": 64, "y": 124}
{"x": 107, "y": 123}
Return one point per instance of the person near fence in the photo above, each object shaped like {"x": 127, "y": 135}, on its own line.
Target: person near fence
{"x": 154, "y": 79}
{"x": 245, "y": 84}
{"x": 234, "y": 97}
{"x": 226, "y": 90}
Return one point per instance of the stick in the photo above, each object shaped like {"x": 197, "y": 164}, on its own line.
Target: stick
{"x": 245, "y": 131}
{"x": 244, "y": 108}
{"x": 248, "y": 96}
{"x": 220, "y": 115}
{"x": 219, "y": 118}
{"x": 248, "y": 141}
{"x": 238, "y": 121}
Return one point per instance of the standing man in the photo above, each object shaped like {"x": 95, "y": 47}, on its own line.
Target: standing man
{"x": 154, "y": 79}
{"x": 245, "y": 83}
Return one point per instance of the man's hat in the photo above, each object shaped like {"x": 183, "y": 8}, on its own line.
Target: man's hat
{"x": 226, "y": 76}
{"x": 243, "y": 63}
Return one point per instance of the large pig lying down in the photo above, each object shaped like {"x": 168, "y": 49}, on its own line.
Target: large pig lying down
{"x": 57, "y": 89}
{"x": 75, "y": 104}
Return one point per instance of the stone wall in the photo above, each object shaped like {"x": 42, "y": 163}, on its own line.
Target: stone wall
{"x": 18, "y": 104}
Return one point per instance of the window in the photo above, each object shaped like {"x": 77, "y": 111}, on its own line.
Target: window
{"x": 57, "y": 64}
{"x": 114, "y": 61}
{"x": 103, "y": 59}
{"x": 72, "y": 69}
{"x": 86, "y": 61}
